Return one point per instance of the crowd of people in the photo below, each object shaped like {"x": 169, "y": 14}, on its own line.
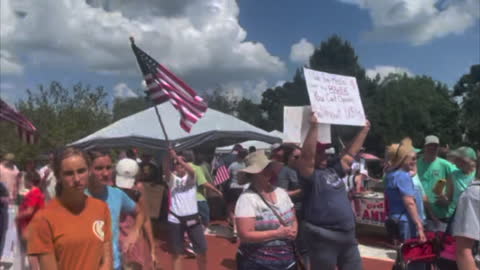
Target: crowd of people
{"x": 288, "y": 209}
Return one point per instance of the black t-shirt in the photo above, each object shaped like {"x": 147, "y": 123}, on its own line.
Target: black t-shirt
{"x": 149, "y": 172}
{"x": 326, "y": 202}
{"x": 133, "y": 194}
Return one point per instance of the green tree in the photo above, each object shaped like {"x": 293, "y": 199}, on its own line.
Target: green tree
{"x": 61, "y": 116}
{"x": 123, "y": 107}
{"x": 250, "y": 112}
{"x": 220, "y": 102}
{"x": 468, "y": 89}
{"x": 414, "y": 107}
{"x": 334, "y": 56}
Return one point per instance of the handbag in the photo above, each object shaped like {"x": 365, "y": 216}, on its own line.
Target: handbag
{"x": 298, "y": 257}
{"x": 392, "y": 226}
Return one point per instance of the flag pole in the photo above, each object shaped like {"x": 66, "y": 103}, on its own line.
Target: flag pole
{"x": 132, "y": 40}
{"x": 161, "y": 124}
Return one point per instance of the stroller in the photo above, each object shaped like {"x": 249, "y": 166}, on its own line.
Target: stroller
{"x": 438, "y": 252}
{"x": 412, "y": 251}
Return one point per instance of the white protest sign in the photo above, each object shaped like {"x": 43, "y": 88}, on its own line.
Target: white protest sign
{"x": 296, "y": 122}
{"x": 335, "y": 98}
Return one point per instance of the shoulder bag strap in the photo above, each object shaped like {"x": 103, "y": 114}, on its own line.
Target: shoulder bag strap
{"x": 298, "y": 257}
{"x": 279, "y": 217}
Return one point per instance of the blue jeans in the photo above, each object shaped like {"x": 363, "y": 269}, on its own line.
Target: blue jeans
{"x": 407, "y": 230}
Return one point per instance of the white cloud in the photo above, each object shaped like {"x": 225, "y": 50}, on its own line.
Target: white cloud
{"x": 301, "y": 51}
{"x": 280, "y": 83}
{"x": 419, "y": 21}
{"x": 252, "y": 89}
{"x": 384, "y": 71}
{"x": 122, "y": 90}
{"x": 9, "y": 65}
{"x": 7, "y": 90}
{"x": 201, "y": 41}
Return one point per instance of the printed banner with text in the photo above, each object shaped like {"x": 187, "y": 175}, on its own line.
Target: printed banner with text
{"x": 335, "y": 98}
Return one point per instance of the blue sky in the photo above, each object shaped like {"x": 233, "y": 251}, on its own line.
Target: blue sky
{"x": 243, "y": 46}
{"x": 280, "y": 25}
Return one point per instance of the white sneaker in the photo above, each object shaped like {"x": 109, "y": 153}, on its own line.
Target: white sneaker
{"x": 209, "y": 232}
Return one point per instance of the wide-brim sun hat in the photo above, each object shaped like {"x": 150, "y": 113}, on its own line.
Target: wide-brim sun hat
{"x": 126, "y": 171}
{"x": 255, "y": 163}
{"x": 396, "y": 153}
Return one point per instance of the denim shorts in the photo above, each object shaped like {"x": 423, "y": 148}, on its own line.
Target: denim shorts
{"x": 204, "y": 212}
{"x": 195, "y": 233}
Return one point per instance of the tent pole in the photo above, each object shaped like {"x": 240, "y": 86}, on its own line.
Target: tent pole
{"x": 161, "y": 124}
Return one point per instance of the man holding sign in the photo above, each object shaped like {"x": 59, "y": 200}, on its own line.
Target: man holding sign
{"x": 329, "y": 218}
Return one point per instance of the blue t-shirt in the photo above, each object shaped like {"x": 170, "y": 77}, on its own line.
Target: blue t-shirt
{"x": 399, "y": 184}
{"x": 118, "y": 202}
{"x": 326, "y": 202}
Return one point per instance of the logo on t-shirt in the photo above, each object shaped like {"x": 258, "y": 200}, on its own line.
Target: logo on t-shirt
{"x": 333, "y": 180}
{"x": 98, "y": 229}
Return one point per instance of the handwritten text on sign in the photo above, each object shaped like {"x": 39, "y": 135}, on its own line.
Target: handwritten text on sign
{"x": 335, "y": 98}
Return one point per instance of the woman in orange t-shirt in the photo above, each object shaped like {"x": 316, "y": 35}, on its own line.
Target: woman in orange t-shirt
{"x": 73, "y": 231}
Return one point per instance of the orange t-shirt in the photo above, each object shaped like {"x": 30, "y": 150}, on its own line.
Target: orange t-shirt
{"x": 76, "y": 240}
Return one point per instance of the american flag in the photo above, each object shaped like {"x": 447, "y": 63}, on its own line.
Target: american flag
{"x": 26, "y": 130}
{"x": 163, "y": 85}
{"x": 222, "y": 174}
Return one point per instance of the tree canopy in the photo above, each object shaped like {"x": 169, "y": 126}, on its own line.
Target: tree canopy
{"x": 468, "y": 90}
{"x": 397, "y": 106}
{"x": 61, "y": 116}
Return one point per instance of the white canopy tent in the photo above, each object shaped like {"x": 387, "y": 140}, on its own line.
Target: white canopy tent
{"x": 259, "y": 145}
{"x": 142, "y": 130}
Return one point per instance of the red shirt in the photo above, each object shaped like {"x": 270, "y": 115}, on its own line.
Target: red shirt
{"x": 33, "y": 199}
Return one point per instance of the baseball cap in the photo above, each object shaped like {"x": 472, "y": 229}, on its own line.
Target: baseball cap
{"x": 323, "y": 146}
{"x": 126, "y": 170}
{"x": 465, "y": 152}
{"x": 432, "y": 139}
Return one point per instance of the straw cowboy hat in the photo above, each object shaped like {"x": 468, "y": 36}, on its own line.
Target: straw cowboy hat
{"x": 396, "y": 153}
{"x": 256, "y": 162}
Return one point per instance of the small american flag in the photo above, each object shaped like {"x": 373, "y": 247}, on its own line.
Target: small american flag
{"x": 163, "y": 85}
{"x": 26, "y": 130}
{"x": 222, "y": 174}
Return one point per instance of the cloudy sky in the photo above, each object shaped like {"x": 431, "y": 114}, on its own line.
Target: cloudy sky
{"x": 243, "y": 46}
